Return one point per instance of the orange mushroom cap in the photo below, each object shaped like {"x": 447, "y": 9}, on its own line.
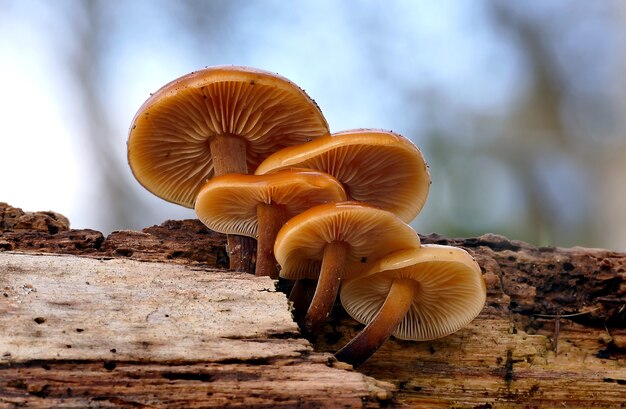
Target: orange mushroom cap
{"x": 228, "y": 203}
{"x": 168, "y": 144}
{"x": 451, "y": 290}
{"x": 375, "y": 166}
{"x": 369, "y": 232}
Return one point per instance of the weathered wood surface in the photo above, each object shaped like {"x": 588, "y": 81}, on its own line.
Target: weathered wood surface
{"x": 508, "y": 357}
{"x": 81, "y": 331}
{"x": 72, "y": 308}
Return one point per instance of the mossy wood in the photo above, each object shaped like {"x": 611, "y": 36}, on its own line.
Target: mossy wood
{"x": 152, "y": 318}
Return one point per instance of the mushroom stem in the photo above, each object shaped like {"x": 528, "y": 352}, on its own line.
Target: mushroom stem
{"x": 394, "y": 309}
{"x": 229, "y": 156}
{"x": 331, "y": 273}
{"x": 271, "y": 218}
{"x": 301, "y": 295}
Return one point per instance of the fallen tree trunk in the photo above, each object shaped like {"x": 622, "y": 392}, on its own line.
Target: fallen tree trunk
{"x": 78, "y": 331}
{"x": 552, "y": 333}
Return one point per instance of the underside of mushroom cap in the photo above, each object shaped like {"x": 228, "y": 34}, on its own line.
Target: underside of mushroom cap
{"x": 369, "y": 232}
{"x": 375, "y": 166}
{"x": 168, "y": 145}
{"x": 451, "y": 291}
{"x": 228, "y": 203}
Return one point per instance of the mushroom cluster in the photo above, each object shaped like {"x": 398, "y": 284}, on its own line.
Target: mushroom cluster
{"x": 252, "y": 153}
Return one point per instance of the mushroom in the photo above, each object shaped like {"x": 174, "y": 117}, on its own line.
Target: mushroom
{"x": 417, "y": 294}
{"x": 336, "y": 241}
{"x": 375, "y": 166}
{"x": 258, "y": 205}
{"x": 218, "y": 120}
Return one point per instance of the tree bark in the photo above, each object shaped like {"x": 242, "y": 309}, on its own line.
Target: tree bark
{"x": 552, "y": 333}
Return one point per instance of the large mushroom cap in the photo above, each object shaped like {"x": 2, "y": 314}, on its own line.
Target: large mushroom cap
{"x": 375, "y": 166}
{"x": 228, "y": 203}
{"x": 369, "y": 232}
{"x": 451, "y": 291}
{"x": 168, "y": 145}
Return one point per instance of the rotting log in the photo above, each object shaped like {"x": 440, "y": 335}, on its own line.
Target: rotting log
{"x": 80, "y": 331}
{"x": 552, "y": 333}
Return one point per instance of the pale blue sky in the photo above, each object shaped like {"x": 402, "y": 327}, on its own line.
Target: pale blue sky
{"x": 445, "y": 74}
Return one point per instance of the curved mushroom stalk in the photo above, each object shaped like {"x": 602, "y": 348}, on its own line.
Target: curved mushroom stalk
{"x": 397, "y": 304}
{"x": 417, "y": 294}
{"x": 331, "y": 273}
{"x": 229, "y": 156}
{"x": 346, "y": 238}
{"x": 301, "y": 296}
{"x": 271, "y": 217}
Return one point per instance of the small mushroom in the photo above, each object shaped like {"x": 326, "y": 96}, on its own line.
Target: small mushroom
{"x": 214, "y": 121}
{"x": 417, "y": 294}
{"x": 375, "y": 166}
{"x": 336, "y": 241}
{"x": 258, "y": 205}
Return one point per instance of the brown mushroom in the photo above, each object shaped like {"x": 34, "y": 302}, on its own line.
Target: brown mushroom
{"x": 417, "y": 294}
{"x": 336, "y": 241}
{"x": 378, "y": 167}
{"x": 214, "y": 121}
{"x": 258, "y": 205}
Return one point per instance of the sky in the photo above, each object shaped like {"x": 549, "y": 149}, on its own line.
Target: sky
{"x": 36, "y": 140}
{"x": 422, "y": 69}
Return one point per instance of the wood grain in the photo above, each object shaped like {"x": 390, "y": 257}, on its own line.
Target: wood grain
{"x": 508, "y": 356}
{"x": 84, "y": 308}
{"x": 80, "y": 331}
{"x": 552, "y": 333}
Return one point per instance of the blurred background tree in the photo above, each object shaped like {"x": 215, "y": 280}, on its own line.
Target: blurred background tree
{"x": 519, "y": 107}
